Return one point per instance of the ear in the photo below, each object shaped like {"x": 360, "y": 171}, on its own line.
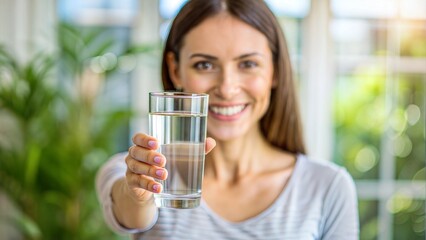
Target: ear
{"x": 173, "y": 68}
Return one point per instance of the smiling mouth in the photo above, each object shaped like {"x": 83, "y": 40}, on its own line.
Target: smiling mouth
{"x": 228, "y": 111}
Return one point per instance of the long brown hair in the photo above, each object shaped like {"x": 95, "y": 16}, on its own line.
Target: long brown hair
{"x": 281, "y": 124}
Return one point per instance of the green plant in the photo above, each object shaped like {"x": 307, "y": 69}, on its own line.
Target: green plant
{"x": 55, "y": 133}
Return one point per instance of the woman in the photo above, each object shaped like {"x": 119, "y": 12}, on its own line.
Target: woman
{"x": 258, "y": 183}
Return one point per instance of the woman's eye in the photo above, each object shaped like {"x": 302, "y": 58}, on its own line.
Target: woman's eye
{"x": 248, "y": 64}
{"x": 203, "y": 66}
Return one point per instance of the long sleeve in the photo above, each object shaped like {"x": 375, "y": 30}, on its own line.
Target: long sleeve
{"x": 107, "y": 175}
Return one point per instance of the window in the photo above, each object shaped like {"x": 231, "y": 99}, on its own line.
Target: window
{"x": 379, "y": 111}
{"x": 107, "y": 22}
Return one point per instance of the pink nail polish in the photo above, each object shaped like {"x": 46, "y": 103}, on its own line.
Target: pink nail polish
{"x": 156, "y": 187}
{"x": 158, "y": 159}
{"x": 159, "y": 173}
{"x": 151, "y": 143}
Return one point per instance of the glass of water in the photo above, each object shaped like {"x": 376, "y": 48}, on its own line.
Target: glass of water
{"x": 179, "y": 122}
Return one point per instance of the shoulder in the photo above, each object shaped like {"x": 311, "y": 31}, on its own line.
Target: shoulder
{"x": 323, "y": 177}
{"x": 313, "y": 164}
{"x": 321, "y": 169}
{"x": 332, "y": 186}
{"x": 326, "y": 182}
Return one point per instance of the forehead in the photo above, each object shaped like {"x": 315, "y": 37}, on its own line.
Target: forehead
{"x": 224, "y": 33}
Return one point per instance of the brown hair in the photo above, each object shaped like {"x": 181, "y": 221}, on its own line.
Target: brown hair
{"x": 281, "y": 124}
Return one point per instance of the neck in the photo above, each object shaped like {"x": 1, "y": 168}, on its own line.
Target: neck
{"x": 233, "y": 159}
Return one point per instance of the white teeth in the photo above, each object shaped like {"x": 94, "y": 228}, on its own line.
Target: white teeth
{"x": 227, "y": 111}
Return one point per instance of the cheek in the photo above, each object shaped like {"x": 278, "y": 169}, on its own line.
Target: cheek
{"x": 197, "y": 86}
{"x": 192, "y": 82}
{"x": 261, "y": 86}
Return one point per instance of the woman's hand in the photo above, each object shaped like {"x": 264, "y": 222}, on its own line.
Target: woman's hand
{"x": 144, "y": 165}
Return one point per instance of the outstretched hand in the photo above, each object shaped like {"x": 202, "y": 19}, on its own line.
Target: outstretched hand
{"x": 144, "y": 165}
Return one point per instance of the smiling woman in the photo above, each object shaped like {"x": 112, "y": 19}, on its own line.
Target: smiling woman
{"x": 231, "y": 61}
{"x": 258, "y": 181}
{"x": 265, "y": 51}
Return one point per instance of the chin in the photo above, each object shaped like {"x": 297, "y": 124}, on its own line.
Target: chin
{"x": 227, "y": 134}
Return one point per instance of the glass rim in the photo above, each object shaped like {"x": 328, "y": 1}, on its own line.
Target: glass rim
{"x": 170, "y": 94}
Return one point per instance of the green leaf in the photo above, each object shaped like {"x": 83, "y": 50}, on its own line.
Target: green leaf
{"x": 33, "y": 161}
{"x": 28, "y": 226}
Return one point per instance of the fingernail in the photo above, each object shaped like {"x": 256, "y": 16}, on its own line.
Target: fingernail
{"x": 151, "y": 143}
{"x": 158, "y": 160}
{"x": 159, "y": 173}
{"x": 156, "y": 187}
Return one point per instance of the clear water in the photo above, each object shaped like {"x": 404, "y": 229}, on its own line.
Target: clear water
{"x": 181, "y": 137}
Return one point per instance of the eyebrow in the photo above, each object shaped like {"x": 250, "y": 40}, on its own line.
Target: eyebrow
{"x": 210, "y": 57}
{"x": 248, "y": 55}
{"x": 203, "y": 56}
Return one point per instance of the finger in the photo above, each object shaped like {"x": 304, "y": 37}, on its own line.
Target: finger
{"x": 210, "y": 144}
{"x": 145, "y": 141}
{"x": 145, "y": 169}
{"x": 147, "y": 156}
{"x": 137, "y": 181}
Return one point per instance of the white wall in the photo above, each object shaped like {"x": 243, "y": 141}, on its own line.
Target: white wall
{"x": 146, "y": 77}
{"x": 24, "y": 26}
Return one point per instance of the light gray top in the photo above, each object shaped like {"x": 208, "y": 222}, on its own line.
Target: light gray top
{"x": 319, "y": 202}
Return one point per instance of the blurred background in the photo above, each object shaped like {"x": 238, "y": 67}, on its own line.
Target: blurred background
{"x": 75, "y": 76}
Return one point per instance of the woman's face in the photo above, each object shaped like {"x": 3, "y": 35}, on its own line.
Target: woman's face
{"x": 232, "y": 62}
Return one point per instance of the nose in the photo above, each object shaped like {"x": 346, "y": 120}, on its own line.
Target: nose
{"x": 228, "y": 85}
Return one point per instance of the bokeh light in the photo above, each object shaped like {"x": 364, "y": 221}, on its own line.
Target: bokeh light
{"x": 366, "y": 158}
{"x": 412, "y": 114}
{"x": 399, "y": 202}
{"x": 398, "y": 121}
{"x": 402, "y": 146}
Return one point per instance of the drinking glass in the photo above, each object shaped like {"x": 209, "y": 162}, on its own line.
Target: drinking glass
{"x": 179, "y": 122}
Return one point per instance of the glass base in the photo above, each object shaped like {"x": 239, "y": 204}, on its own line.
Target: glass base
{"x": 177, "y": 203}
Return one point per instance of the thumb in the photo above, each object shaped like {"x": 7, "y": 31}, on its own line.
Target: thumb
{"x": 210, "y": 144}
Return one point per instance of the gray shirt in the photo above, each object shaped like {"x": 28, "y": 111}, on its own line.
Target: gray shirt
{"x": 319, "y": 202}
